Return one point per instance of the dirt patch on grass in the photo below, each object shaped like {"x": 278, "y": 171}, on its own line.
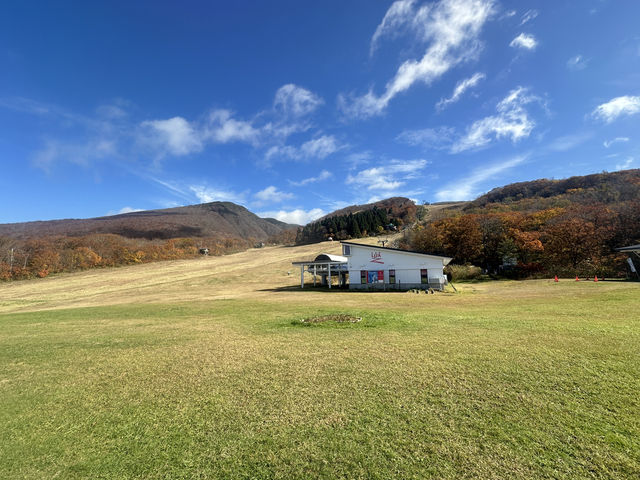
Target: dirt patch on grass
{"x": 335, "y": 317}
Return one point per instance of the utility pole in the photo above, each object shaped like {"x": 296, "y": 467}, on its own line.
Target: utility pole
{"x": 11, "y": 261}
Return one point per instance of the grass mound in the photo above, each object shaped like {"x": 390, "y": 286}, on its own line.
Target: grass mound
{"x": 334, "y": 317}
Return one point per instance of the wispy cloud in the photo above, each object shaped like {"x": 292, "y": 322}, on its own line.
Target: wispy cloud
{"x": 450, "y": 28}
{"x": 608, "y": 143}
{"x": 223, "y": 128}
{"x": 461, "y": 87}
{"x": 625, "y": 165}
{"x": 569, "y": 142}
{"x": 271, "y": 195}
{"x": 617, "y": 107}
{"x": 577, "y": 62}
{"x": 297, "y": 216}
{"x": 528, "y": 16}
{"x": 439, "y": 138}
{"x": 316, "y": 148}
{"x": 206, "y": 194}
{"x": 466, "y": 188}
{"x": 78, "y": 153}
{"x": 525, "y": 41}
{"x": 176, "y": 135}
{"x": 124, "y": 210}
{"x": 388, "y": 177}
{"x": 323, "y": 175}
{"x": 354, "y": 160}
{"x": 512, "y": 121}
{"x": 396, "y": 18}
{"x": 294, "y": 101}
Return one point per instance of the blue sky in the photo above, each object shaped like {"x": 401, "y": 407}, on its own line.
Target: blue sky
{"x": 294, "y": 109}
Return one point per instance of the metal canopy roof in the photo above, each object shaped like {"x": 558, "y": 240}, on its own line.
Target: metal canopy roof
{"x": 632, "y": 248}
{"x": 325, "y": 259}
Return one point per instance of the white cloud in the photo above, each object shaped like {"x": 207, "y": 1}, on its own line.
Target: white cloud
{"x": 295, "y": 101}
{"x": 180, "y": 137}
{"x": 577, "y": 63}
{"x": 208, "y": 194}
{"x": 126, "y": 210}
{"x": 82, "y": 154}
{"x": 449, "y": 27}
{"x": 176, "y": 134}
{"x": 511, "y": 121}
{"x": 398, "y": 15}
{"x": 625, "y": 165}
{"x": 320, "y": 148}
{"x": 297, "y": 217}
{"x": 428, "y": 138}
{"x": 617, "y": 107}
{"x": 460, "y": 88}
{"x": 111, "y": 112}
{"x": 524, "y": 40}
{"x": 323, "y": 175}
{"x": 608, "y": 143}
{"x": 568, "y": 142}
{"x": 528, "y": 16}
{"x": 271, "y": 195}
{"x": 388, "y": 177}
{"x": 466, "y": 188}
{"x": 358, "y": 158}
{"x": 223, "y": 128}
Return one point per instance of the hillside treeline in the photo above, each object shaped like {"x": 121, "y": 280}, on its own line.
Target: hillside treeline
{"x": 22, "y": 259}
{"x": 352, "y": 225}
{"x": 603, "y": 188}
{"x": 568, "y": 227}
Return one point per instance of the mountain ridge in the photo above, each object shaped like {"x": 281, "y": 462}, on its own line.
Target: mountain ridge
{"x": 222, "y": 219}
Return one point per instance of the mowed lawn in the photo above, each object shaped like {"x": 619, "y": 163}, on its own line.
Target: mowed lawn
{"x": 503, "y": 380}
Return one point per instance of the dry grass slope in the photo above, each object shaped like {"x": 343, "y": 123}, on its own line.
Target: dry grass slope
{"x": 203, "y": 369}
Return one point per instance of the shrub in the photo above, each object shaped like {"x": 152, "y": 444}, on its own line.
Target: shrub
{"x": 463, "y": 272}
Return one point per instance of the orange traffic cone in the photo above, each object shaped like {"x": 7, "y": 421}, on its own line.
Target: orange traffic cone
{"x": 595, "y": 279}
{"x": 556, "y": 278}
{"x": 577, "y": 279}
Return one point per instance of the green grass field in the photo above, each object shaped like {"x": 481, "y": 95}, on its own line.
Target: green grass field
{"x": 502, "y": 380}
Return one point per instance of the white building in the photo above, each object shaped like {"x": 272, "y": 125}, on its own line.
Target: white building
{"x": 370, "y": 266}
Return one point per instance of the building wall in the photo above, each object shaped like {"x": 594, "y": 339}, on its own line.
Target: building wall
{"x": 407, "y": 268}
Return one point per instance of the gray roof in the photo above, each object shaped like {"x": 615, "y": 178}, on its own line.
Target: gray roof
{"x": 631, "y": 248}
{"x": 445, "y": 260}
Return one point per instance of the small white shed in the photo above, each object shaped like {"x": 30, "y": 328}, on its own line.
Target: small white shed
{"x": 370, "y": 266}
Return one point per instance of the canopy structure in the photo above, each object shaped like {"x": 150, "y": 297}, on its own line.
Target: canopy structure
{"x": 324, "y": 265}
{"x": 631, "y": 250}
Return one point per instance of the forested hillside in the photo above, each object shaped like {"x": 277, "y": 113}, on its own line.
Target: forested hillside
{"x": 360, "y": 221}
{"x": 37, "y": 249}
{"x": 565, "y": 227}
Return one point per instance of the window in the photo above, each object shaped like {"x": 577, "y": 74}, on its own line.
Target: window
{"x": 346, "y": 250}
{"x": 392, "y": 276}
{"x": 423, "y": 276}
{"x": 363, "y": 276}
{"x": 375, "y": 276}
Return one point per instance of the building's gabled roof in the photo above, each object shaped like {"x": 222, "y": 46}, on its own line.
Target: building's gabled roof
{"x": 445, "y": 260}
{"x": 631, "y": 248}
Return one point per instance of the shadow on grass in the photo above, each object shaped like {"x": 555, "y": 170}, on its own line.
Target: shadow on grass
{"x": 295, "y": 288}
